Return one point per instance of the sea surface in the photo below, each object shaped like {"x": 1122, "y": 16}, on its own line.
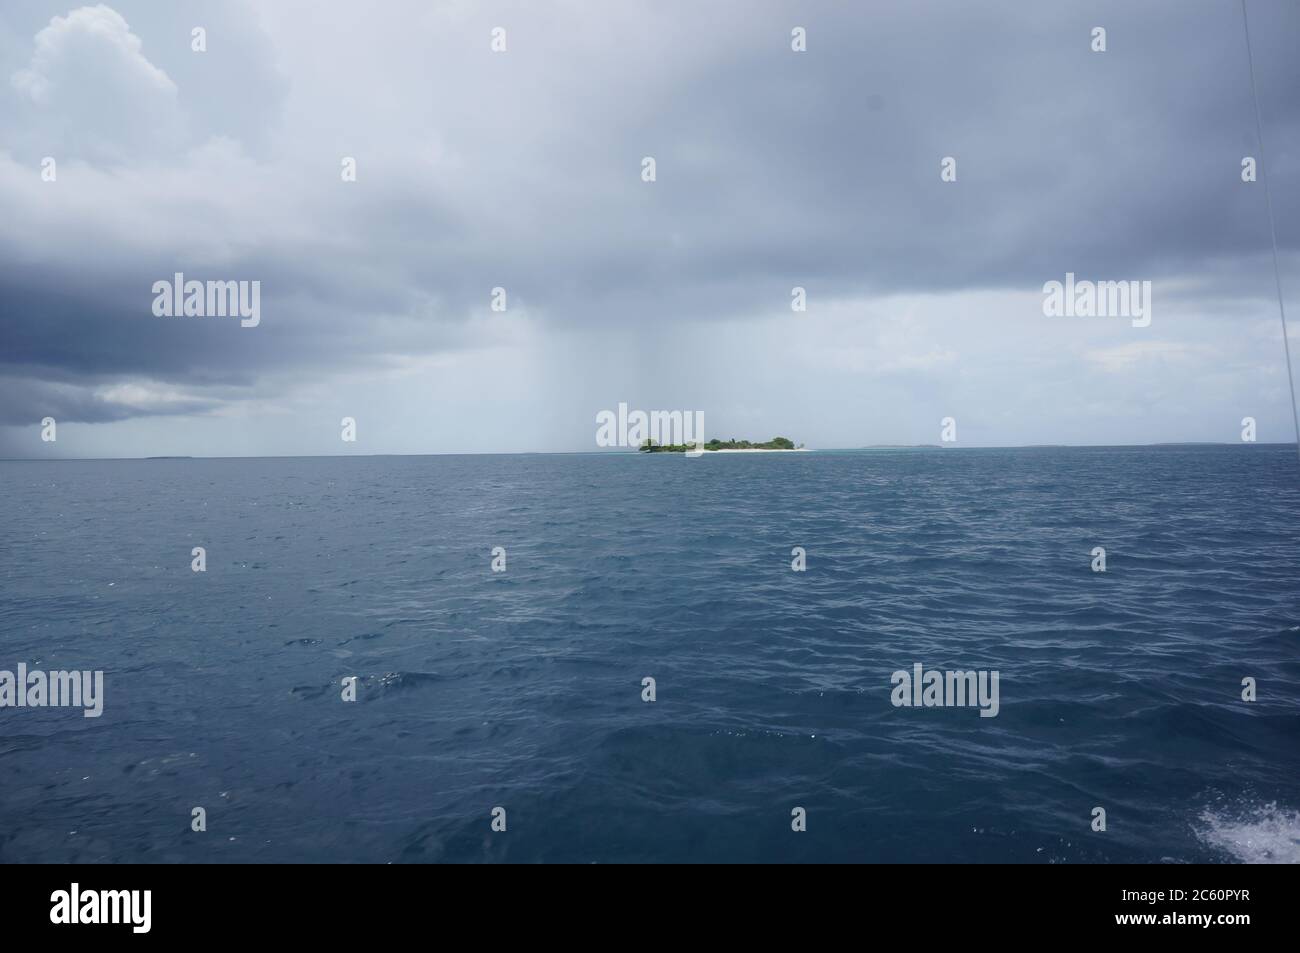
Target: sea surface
{"x": 523, "y": 689}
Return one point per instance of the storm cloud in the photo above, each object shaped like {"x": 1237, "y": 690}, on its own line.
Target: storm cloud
{"x": 522, "y": 169}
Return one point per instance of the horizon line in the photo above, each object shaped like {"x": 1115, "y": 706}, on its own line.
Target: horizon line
{"x": 635, "y": 452}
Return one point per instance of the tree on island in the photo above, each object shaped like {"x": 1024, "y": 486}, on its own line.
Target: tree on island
{"x": 776, "y": 443}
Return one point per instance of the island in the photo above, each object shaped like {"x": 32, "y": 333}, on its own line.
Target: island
{"x": 720, "y": 446}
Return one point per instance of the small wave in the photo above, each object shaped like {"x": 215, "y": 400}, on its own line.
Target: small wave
{"x": 370, "y": 686}
{"x": 1264, "y": 835}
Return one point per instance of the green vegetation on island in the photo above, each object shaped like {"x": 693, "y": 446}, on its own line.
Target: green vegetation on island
{"x": 776, "y": 443}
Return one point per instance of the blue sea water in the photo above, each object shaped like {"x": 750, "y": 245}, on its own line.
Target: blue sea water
{"x": 523, "y": 689}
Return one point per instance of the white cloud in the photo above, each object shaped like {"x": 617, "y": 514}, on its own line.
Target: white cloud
{"x": 93, "y": 92}
{"x": 1126, "y": 357}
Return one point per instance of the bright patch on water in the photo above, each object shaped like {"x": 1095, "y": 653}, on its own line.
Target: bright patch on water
{"x": 1264, "y": 835}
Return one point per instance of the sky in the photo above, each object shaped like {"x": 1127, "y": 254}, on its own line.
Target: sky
{"x": 522, "y": 169}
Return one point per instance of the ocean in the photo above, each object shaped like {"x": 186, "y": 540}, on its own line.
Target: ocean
{"x": 524, "y": 690}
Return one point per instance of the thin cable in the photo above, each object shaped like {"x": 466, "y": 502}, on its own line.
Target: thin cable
{"x": 1272, "y": 227}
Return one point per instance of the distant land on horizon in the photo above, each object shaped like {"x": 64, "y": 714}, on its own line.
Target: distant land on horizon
{"x": 716, "y": 445}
